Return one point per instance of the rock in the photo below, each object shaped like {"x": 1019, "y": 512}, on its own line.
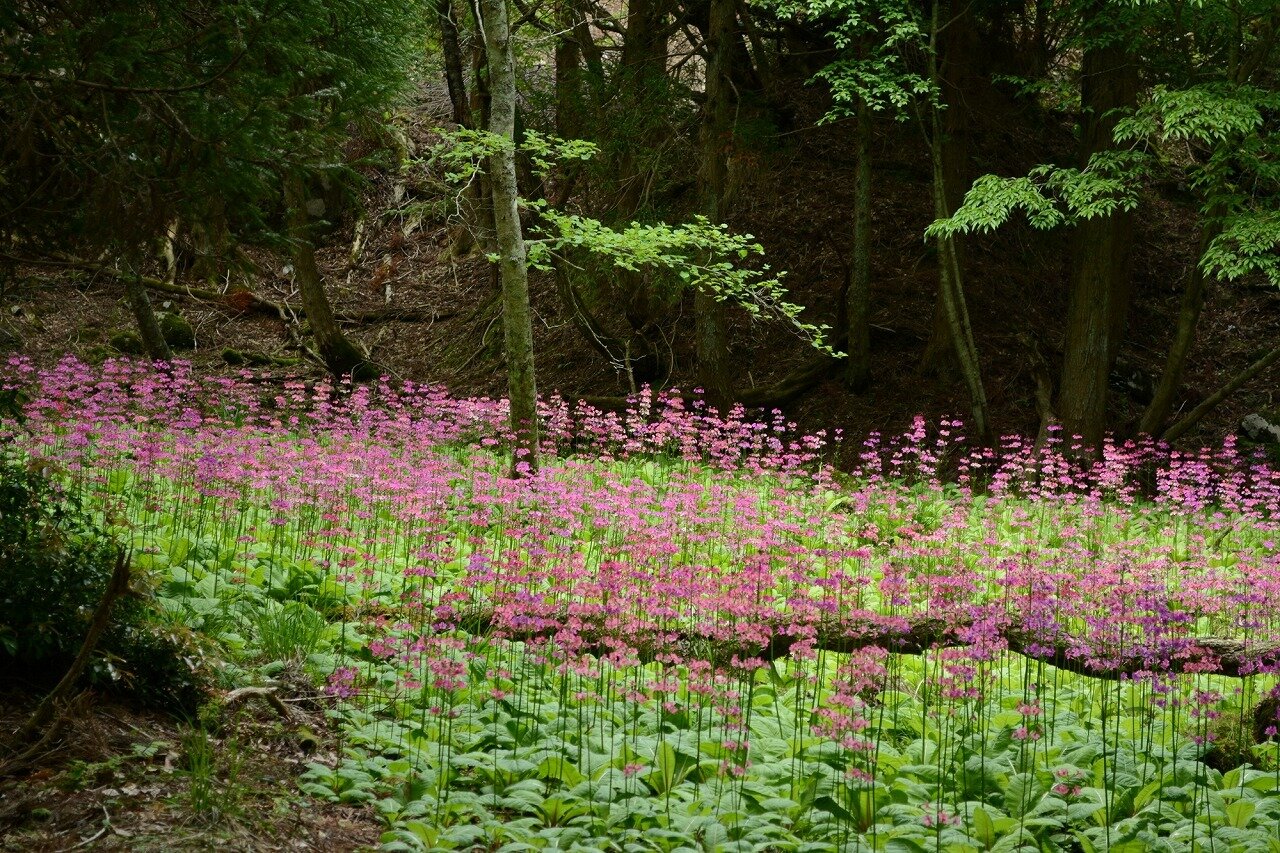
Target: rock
{"x": 9, "y": 340}
{"x": 177, "y": 332}
{"x": 127, "y": 342}
{"x": 1258, "y": 429}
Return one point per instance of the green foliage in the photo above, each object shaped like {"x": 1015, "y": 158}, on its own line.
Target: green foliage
{"x": 1234, "y": 167}
{"x": 1248, "y": 244}
{"x": 122, "y": 115}
{"x": 1050, "y": 195}
{"x": 874, "y": 40}
{"x": 699, "y": 254}
{"x": 213, "y": 771}
{"x": 1216, "y": 134}
{"x": 463, "y": 151}
{"x": 286, "y": 632}
{"x": 55, "y": 562}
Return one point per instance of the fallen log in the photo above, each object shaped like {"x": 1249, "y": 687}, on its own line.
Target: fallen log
{"x": 1226, "y": 657}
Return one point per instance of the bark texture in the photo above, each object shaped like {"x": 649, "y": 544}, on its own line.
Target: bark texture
{"x": 517, "y": 320}
{"x": 340, "y": 356}
{"x": 857, "y": 369}
{"x": 712, "y": 335}
{"x": 909, "y": 635}
{"x": 451, "y": 49}
{"x": 1099, "y": 301}
{"x": 145, "y": 315}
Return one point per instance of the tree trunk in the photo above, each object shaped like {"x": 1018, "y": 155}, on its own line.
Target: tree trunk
{"x": 712, "y": 337}
{"x": 148, "y": 325}
{"x": 1099, "y": 299}
{"x": 1153, "y": 419}
{"x": 1197, "y": 414}
{"x": 517, "y": 318}
{"x": 340, "y": 356}
{"x": 568, "y": 71}
{"x": 450, "y": 47}
{"x": 956, "y": 43}
{"x": 641, "y": 78}
{"x": 950, "y": 281}
{"x": 475, "y": 203}
{"x": 857, "y": 369}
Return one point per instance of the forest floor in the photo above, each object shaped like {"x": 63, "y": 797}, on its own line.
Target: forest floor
{"x": 124, "y": 781}
{"x": 124, "y": 778}
{"x": 796, "y": 196}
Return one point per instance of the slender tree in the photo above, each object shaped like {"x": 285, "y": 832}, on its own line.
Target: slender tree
{"x": 513, "y": 268}
{"x": 950, "y": 280}
{"x": 145, "y": 316}
{"x": 341, "y": 357}
{"x": 857, "y": 370}
{"x": 712, "y": 334}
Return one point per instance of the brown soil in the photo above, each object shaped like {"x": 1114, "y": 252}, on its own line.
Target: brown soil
{"x": 119, "y": 779}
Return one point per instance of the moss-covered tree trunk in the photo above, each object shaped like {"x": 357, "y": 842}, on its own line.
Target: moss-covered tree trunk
{"x": 517, "y": 318}
{"x": 1099, "y": 301}
{"x": 1157, "y": 412}
{"x": 148, "y": 325}
{"x": 712, "y": 334}
{"x": 340, "y": 356}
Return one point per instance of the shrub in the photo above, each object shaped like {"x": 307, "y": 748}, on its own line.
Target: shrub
{"x": 55, "y": 563}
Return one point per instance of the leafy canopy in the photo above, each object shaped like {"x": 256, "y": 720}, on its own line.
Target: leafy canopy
{"x": 1218, "y": 136}
{"x": 122, "y": 114}
{"x": 702, "y": 255}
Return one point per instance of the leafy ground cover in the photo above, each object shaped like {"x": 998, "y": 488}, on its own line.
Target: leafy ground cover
{"x": 686, "y": 633}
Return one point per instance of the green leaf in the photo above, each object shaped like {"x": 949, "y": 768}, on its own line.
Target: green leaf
{"x": 829, "y": 805}
{"x": 1239, "y": 813}
{"x": 984, "y": 829}
{"x": 904, "y": 845}
{"x": 562, "y": 770}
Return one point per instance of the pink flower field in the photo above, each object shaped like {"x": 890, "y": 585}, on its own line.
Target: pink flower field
{"x": 689, "y": 632}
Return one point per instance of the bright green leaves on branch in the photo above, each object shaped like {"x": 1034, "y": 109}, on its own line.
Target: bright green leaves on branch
{"x": 1231, "y": 161}
{"x": 1216, "y": 135}
{"x": 1248, "y": 244}
{"x": 702, "y": 255}
{"x": 873, "y": 40}
{"x": 462, "y": 151}
{"x": 1050, "y": 196}
{"x": 699, "y": 254}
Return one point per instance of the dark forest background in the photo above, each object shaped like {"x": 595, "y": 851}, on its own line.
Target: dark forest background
{"x": 1020, "y": 213}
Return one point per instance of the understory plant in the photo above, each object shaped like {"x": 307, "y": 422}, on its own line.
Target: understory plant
{"x": 688, "y": 632}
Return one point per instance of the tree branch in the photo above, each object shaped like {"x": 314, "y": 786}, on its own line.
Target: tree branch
{"x": 1181, "y": 428}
